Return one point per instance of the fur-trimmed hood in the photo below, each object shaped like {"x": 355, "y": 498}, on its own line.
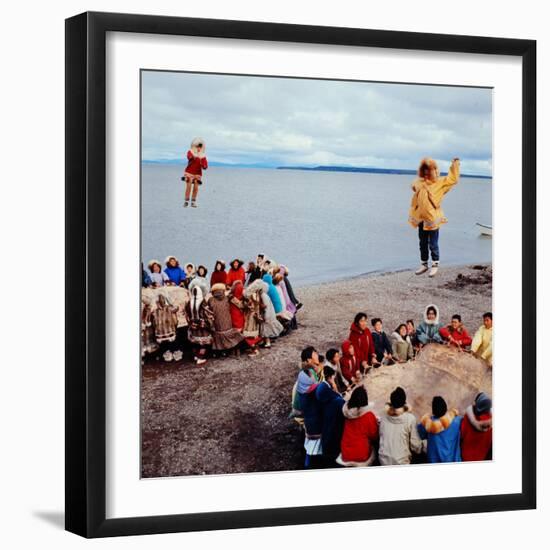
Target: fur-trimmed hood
{"x": 205, "y": 270}
{"x": 396, "y": 415}
{"x": 397, "y": 337}
{"x": 218, "y": 291}
{"x": 437, "y": 425}
{"x": 240, "y": 262}
{"x": 356, "y": 412}
{"x": 197, "y": 298}
{"x": 480, "y": 424}
{"x": 168, "y": 258}
{"x": 152, "y": 263}
{"x": 192, "y": 266}
{"x": 436, "y": 320}
{"x": 255, "y": 286}
{"x": 194, "y": 144}
{"x": 219, "y": 262}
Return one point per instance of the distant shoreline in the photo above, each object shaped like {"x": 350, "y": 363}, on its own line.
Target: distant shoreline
{"x": 345, "y": 169}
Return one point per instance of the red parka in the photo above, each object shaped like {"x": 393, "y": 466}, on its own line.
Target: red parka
{"x": 236, "y": 305}
{"x": 476, "y": 436}
{"x": 235, "y": 275}
{"x": 460, "y": 335}
{"x": 195, "y": 165}
{"x": 360, "y": 433}
{"x": 362, "y": 343}
{"x": 348, "y": 363}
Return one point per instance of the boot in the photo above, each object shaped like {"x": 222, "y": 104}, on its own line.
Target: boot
{"x": 422, "y": 269}
{"x": 434, "y": 269}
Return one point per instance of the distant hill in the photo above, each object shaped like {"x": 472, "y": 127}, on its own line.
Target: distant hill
{"x": 369, "y": 170}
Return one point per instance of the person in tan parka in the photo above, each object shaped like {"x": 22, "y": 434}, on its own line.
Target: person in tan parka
{"x": 425, "y": 213}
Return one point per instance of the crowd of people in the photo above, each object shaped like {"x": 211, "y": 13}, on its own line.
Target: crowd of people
{"x": 330, "y": 399}
{"x": 233, "y": 310}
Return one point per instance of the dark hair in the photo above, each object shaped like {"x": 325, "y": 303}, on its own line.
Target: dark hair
{"x": 307, "y": 353}
{"x": 331, "y": 353}
{"x": 457, "y": 317}
{"x": 439, "y": 406}
{"x": 204, "y": 269}
{"x": 399, "y": 327}
{"x": 358, "y": 317}
{"x": 489, "y": 315}
{"x": 328, "y": 372}
{"x": 221, "y": 264}
{"x": 321, "y": 358}
{"x": 359, "y": 398}
{"x": 410, "y": 321}
{"x": 375, "y": 320}
{"x": 431, "y": 308}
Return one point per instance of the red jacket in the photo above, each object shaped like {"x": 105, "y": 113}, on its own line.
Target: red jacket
{"x": 195, "y": 164}
{"x": 235, "y": 275}
{"x": 359, "y": 435}
{"x": 460, "y": 335}
{"x": 476, "y": 436}
{"x": 362, "y": 343}
{"x": 348, "y": 363}
{"x": 218, "y": 277}
{"x": 236, "y": 307}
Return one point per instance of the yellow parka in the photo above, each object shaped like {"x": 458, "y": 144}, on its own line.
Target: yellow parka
{"x": 482, "y": 344}
{"x": 426, "y": 201}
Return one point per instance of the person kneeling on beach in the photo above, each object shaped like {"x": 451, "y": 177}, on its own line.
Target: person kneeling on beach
{"x": 428, "y": 331}
{"x": 360, "y": 436}
{"x": 399, "y": 437}
{"x": 482, "y": 344}
{"x": 426, "y": 213}
{"x": 402, "y": 346}
{"x": 361, "y": 338}
{"x": 382, "y": 346}
{"x": 456, "y": 334}
{"x": 442, "y": 432}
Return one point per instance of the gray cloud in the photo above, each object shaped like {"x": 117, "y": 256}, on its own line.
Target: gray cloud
{"x": 281, "y": 121}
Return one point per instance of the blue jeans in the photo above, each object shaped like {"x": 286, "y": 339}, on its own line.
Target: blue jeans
{"x": 429, "y": 242}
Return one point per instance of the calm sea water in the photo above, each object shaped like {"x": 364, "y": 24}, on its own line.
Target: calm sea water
{"x": 322, "y": 225}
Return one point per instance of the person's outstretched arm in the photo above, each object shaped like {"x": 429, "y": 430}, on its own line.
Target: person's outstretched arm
{"x": 453, "y": 176}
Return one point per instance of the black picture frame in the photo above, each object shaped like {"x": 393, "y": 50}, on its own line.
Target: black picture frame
{"x": 86, "y": 285}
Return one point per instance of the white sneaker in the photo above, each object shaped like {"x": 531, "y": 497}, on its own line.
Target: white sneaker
{"x": 434, "y": 269}
{"x": 178, "y": 355}
{"x": 167, "y": 356}
{"x": 422, "y": 269}
{"x": 201, "y": 362}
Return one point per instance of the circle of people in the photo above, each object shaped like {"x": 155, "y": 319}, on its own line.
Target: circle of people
{"x": 330, "y": 400}
{"x": 234, "y": 310}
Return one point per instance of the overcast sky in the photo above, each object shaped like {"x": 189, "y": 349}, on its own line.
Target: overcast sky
{"x": 280, "y": 122}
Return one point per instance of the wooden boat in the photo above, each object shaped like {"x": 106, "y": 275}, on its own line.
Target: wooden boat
{"x": 486, "y": 230}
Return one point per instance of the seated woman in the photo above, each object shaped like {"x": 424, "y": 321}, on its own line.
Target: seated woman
{"x": 428, "y": 330}
{"x": 482, "y": 344}
{"x": 290, "y": 290}
{"x": 456, "y": 334}
{"x": 333, "y": 361}
{"x": 289, "y": 312}
{"x": 331, "y": 403}
{"x": 360, "y": 435}
{"x": 382, "y": 346}
{"x": 411, "y": 333}
{"x": 401, "y": 344}
{"x": 348, "y": 364}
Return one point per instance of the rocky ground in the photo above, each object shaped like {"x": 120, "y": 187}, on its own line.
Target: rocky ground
{"x": 231, "y": 416}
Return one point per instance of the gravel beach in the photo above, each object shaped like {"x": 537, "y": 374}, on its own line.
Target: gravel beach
{"x": 232, "y": 415}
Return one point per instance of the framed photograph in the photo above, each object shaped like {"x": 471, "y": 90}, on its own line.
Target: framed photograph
{"x": 286, "y": 249}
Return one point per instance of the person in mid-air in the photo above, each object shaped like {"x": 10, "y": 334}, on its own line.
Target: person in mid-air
{"x": 196, "y": 157}
{"x": 429, "y": 188}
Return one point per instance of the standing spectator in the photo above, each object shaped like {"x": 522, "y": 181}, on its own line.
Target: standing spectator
{"x": 360, "y": 431}
{"x": 476, "y": 432}
{"x": 442, "y": 431}
{"x": 219, "y": 275}
{"x": 399, "y": 437}
{"x": 174, "y": 271}
{"x": 235, "y": 272}
{"x": 158, "y": 277}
